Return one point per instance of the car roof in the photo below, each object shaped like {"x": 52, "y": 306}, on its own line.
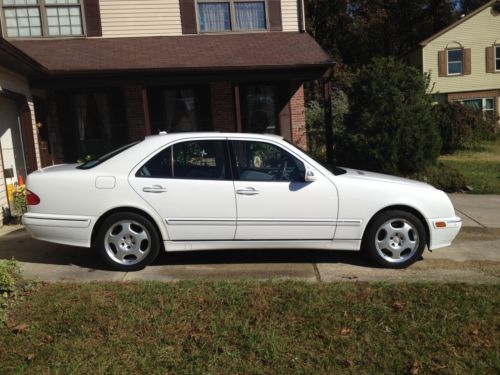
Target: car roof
{"x": 164, "y": 137}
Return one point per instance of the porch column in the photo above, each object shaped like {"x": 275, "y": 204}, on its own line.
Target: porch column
{"x": 298, "y": 115}
{"x": 137, "y": 110}
{"x": 223, "y": 111}
{"x": 327, "y": 98}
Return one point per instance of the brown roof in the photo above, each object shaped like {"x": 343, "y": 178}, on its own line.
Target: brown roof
{"x": 460, "y": 21}
{"x": 177, "y": 53}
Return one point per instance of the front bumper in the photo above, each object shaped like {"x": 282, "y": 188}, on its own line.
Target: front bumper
{"x": 443, "y": 231}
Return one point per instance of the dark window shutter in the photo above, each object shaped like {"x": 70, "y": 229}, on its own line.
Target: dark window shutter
{"x": 489, "y": 60}
{"x": 467, "y": 61}
{"x": 92, "y": 17}
{"x": 274, "y": 10}
{"x": 188, "y": 17}
{"x": 442, "y": 63}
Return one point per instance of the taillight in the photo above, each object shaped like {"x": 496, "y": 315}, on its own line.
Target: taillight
{"x": 31, "y": 198}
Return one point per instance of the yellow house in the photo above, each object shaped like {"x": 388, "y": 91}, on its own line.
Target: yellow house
{"x": 464, "y": 60}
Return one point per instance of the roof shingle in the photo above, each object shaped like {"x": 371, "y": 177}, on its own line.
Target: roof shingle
{"x": 172, "y": 53}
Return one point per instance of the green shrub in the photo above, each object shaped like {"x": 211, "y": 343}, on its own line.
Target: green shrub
{"x": 443, "y": 177}
{"x": 462, "y": 127}
{"x": 10, "y": 274}
{"x": 391, "y": 126}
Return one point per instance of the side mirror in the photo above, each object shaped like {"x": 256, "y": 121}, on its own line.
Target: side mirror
{"x": 311, "y": 175}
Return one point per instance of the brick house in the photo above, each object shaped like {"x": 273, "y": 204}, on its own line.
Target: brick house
{"x": 464, "y": 60}
{"x": 81, "y": 77}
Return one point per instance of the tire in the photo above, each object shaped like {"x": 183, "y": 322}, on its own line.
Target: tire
{"x": 127, "y": 241}
{"x": 395, "y": 239}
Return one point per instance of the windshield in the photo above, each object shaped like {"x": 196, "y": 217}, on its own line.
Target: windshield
{"x": 101, "y": 159}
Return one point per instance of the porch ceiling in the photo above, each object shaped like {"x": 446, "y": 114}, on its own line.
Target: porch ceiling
{"x": 181, "y": 54}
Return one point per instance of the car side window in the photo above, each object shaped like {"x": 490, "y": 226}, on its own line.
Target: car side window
{"x": 201, "y": 160}
{"x": 261, "y": 161}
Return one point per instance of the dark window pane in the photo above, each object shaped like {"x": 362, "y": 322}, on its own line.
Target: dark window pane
{"x": 159, "y": 166}
{"x": 204, "y": 160}
{"x": 260, "y": 161}
{"x": 454, "y": 68}
{"x": 259, "y": 109}
{"x": 455, "y": 55}
{"x": 214, "y": 16}
{"x": 250, "y": 15}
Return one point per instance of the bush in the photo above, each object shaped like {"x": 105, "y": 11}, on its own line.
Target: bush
{"x": 462, "y": 127}
{"x": 391, "y": 126}
{"x": 443, "y": 177}
{"x": 10, "y": 273}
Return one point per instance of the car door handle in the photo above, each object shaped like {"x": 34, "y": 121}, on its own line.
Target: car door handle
{"x": 247, "y": 191}
{"x": 154, "y": 189}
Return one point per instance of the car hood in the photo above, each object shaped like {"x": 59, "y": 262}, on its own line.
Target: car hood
{"x": 384, "y": 178}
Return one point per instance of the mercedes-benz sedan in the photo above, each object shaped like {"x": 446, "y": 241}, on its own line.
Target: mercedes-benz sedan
{"x": 201, "y": 191}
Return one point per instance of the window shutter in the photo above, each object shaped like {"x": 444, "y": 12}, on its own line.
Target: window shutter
{"x": 188, "y": 17}
{"x": 92, "y": 17}
{"x": 489, "y": 60}
{"x": 274, "y": 10}
{"x": 442, "y": 63}
{"x": 467, "y": 61}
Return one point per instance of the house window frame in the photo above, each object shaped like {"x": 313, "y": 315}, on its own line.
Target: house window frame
{"x": 496, "y": 57}
{"x": 232, "y": 16}
{"x": 483, "y": 103}
{"x": 454, "y": 61}
{"x": 44, "y": 21}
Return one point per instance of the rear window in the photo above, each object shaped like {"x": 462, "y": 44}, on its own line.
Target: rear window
{"x": 101, "y": 159}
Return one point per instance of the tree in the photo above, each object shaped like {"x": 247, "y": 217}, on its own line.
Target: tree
{"x": 390, "y": 126}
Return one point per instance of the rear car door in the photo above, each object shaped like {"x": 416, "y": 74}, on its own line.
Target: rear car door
{"x": 190, "y": 185}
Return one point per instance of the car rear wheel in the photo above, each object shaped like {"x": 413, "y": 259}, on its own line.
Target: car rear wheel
{"x": 127, "y": 241}
{"x": 395, "y": 239}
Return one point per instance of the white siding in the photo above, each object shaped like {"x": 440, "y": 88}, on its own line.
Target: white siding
{"x": 476, "y": 33}
{"x": 290, "y": 15}
{"x": 140, "y": 17}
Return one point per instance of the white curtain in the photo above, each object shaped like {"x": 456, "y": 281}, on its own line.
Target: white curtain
{"x": 250, "y": 16}
{"x": 214, "y": 16}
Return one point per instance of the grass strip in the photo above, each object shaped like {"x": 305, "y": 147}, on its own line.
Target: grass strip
{"x": 253, "y": 328}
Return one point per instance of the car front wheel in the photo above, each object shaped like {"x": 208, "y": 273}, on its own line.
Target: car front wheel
{"x": 127, "y": 241}
{"x": 395, "y": 239}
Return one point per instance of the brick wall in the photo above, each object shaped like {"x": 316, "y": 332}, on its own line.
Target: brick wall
{"x": 297, "y": 109}
{"x": 136, "y": 118}
{"x": 223, "y": 116}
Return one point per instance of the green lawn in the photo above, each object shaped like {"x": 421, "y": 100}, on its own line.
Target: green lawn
{"x": 480, "y": 168}
{"x": 253, "y": 328}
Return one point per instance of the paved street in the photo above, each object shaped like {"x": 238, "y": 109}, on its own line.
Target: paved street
{"x": 474, "y": 257}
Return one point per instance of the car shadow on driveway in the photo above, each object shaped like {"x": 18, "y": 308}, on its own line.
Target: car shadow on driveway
{"x": 20, "y": 246}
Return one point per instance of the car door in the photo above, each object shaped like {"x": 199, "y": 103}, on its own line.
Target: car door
{"x": 272, "y": 198}
{"x": 190, "y": 185}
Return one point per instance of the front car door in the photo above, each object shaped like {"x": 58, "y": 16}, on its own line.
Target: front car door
{"x": 190, "y": 185}
{"x": 273, "y": 200}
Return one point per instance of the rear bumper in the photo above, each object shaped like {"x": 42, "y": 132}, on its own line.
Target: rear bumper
{"x": 63, "y": 229}
{"x": 443, "y": 231}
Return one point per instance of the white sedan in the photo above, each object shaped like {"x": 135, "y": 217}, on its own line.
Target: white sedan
{"x": 204, "y": 191}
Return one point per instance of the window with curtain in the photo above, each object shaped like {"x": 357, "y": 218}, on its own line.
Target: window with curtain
{"x": 455, "y": 61}
{"x": 231, "y": 15}
{"x": 485, "y": 104}
{"x": 37, "y": 18}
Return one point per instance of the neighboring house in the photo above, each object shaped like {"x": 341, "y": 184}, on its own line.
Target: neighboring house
{"x": 464, "y": 60}
{"x": 85, "y": 76}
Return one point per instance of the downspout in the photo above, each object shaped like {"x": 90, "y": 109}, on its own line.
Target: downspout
{"x": 302, "y": 16}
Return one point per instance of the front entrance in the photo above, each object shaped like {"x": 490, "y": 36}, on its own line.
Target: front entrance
{"x": 12, "y": 150}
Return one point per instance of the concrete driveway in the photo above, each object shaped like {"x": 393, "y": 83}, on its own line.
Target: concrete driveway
{"x": 474, "y": 257}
